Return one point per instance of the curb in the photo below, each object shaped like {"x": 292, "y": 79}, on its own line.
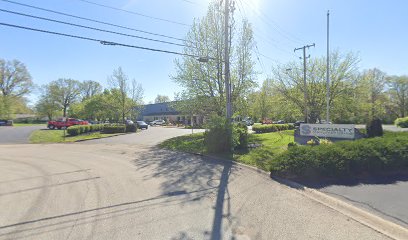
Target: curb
{"x": 370, "y": 220}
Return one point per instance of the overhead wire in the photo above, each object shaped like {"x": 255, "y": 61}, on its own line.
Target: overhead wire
{"x": 93, "y": 20}
{"x": 87, "y": 27}
{"x": 284, "y": 33}
{"x": 104, "y": 42}
{"x": 257, "y": 52}
{"x": 134, "y": 13}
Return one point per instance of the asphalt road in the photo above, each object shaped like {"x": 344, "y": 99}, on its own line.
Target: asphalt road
{"x": 385, "y": 196}
{"x": 132, "y": 190}
{"x": 17, "y": 135}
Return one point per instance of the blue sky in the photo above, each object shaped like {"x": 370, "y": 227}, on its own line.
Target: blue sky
{"x": 375, "y": 30}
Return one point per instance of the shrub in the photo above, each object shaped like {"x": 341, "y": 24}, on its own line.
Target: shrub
{"x": 240, "y": 136}
{"x": 131, "y": 128}
{"x": 216, "y": 137}
{"x": 372, "y": 155}
{"x": 374, "y": 128}
{"x": 401, "y": 122}
{"x": 74, "y": 130}
{"x": 272, "y": 127}
{"x": 114, "y": 128}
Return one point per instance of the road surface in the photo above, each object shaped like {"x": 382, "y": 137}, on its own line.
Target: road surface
{"x": 17, "y": 135}
{"x": 136, "y": 191}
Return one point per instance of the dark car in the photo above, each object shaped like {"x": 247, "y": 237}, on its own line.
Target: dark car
{"x": 142, "y": 124}
{"x": 297, "y": 123}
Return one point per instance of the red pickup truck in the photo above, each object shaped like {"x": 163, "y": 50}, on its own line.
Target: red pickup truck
{"x": 60, "y": 123}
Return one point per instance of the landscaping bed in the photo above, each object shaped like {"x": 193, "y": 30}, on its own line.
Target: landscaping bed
{"x": 57, "y": 136}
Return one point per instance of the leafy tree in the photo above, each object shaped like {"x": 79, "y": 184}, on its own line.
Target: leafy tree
{"x": 64, "y": 92}
{"x": 15, "y": 83}
{"x": 161, "y": 99}
{"x": 205, "y": 81}
{"x": 288, "y": 81}
{"x": 90, "y": 88}
{"x": 127, "y": 95}
{"x": 398, "y": 94}
{"x": 46, "y": 105}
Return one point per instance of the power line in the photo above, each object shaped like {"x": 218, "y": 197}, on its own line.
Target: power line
{"x": 92, "y": 20}
{"x": 100, "y": 41}
{"x": 87, "y": 27}
{"x": 134, "y": 13}
{"x": 284, "y": 33}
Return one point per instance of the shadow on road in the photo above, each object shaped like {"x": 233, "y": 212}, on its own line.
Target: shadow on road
{"x": 378, "y": 179}
{"x": 183, "y": 171}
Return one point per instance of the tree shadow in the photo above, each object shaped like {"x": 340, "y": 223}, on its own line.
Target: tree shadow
{"x": 350, "y": 181}
{"x": 185, "y": 172}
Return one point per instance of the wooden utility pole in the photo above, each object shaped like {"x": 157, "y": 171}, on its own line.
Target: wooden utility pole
{"x": 305, "y": 95}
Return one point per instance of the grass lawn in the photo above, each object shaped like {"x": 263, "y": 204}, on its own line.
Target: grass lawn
{"x": 192, "y": 143}
{"x": 271, "y": 144}
{"x": 57, "y": 136}
{"x": 29, "y": 124}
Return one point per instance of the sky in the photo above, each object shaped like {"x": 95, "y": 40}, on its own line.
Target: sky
{"x": 374, "y": 30}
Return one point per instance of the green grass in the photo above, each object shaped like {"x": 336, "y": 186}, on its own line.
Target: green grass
{"x": 29, "y": 124}
{"x": 57, "y": 136}
{"x": 193, "y": 143}
{"x": 272, "y": 144}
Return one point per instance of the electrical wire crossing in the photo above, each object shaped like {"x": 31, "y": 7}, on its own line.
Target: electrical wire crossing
{"x": 87, "y": 27}
{"x": 92, "y": 20}
{"x": 134, "y": 13}
{"x": 104, "y": 42}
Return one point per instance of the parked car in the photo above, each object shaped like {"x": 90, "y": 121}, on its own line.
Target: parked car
{"x": 60, "y": 123}
{"x": 157, "y": 122}
{"x": 129, "y": 122}
{"x": 248, "y": 121}
{"x": 142, "y": 125}
{"x": 266, "y": 121}
{"x": 297, "y": 123}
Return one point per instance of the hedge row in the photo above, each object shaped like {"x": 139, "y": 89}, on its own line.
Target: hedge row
{"x": 114, "y": 128}
{"x": 402, "y": 122}
{"x": 107, "y": 128}
{"x": 80, "y": 129}
{"x": 271, "y": 127}
{"x": 346, "y": 158}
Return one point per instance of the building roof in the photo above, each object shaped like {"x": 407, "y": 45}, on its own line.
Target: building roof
{"x": 157, "y": 109}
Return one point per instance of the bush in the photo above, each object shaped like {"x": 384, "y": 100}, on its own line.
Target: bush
{"x": 216, "y": 137}
{"x": 346, "y": 158}
{"x": 272, "y": 127}
{"x": 240, "y": 136}
{"x": 114, "y": 128}
{"x": 74, "y": 130}
{"x": 374, "y": 128}
{"x": 401, "y": 122}
{"x": 131, "y": 128}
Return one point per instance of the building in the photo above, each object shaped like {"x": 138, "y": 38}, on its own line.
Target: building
{"x": 165, "y": 111}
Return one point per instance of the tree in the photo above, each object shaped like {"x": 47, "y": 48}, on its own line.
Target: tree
{"x": 161, "y": 99}
{"x": 64, "y": 92}
{"x": 15, "y": 83}
{"x": 127, "y": 95}
{"x": 398, "y": 93}
{"x": 372, "y": 83}
{"x": 206, "y": 81}
{"x": 288, "y": 81}
{"x": 90, "y": 88}
{"x": 46, "y": 105}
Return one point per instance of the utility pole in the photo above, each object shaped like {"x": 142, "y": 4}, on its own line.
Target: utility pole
{"x": 305, "y": 95}
{"x": 227, "y": 73}
{"x": 328, "y": 74}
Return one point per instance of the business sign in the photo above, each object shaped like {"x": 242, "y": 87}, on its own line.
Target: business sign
{"x": 327, "y": 130}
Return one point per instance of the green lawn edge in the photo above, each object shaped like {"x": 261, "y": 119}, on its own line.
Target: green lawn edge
{"x": 57, "y": 136}
{"x": 260, "y": 157}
